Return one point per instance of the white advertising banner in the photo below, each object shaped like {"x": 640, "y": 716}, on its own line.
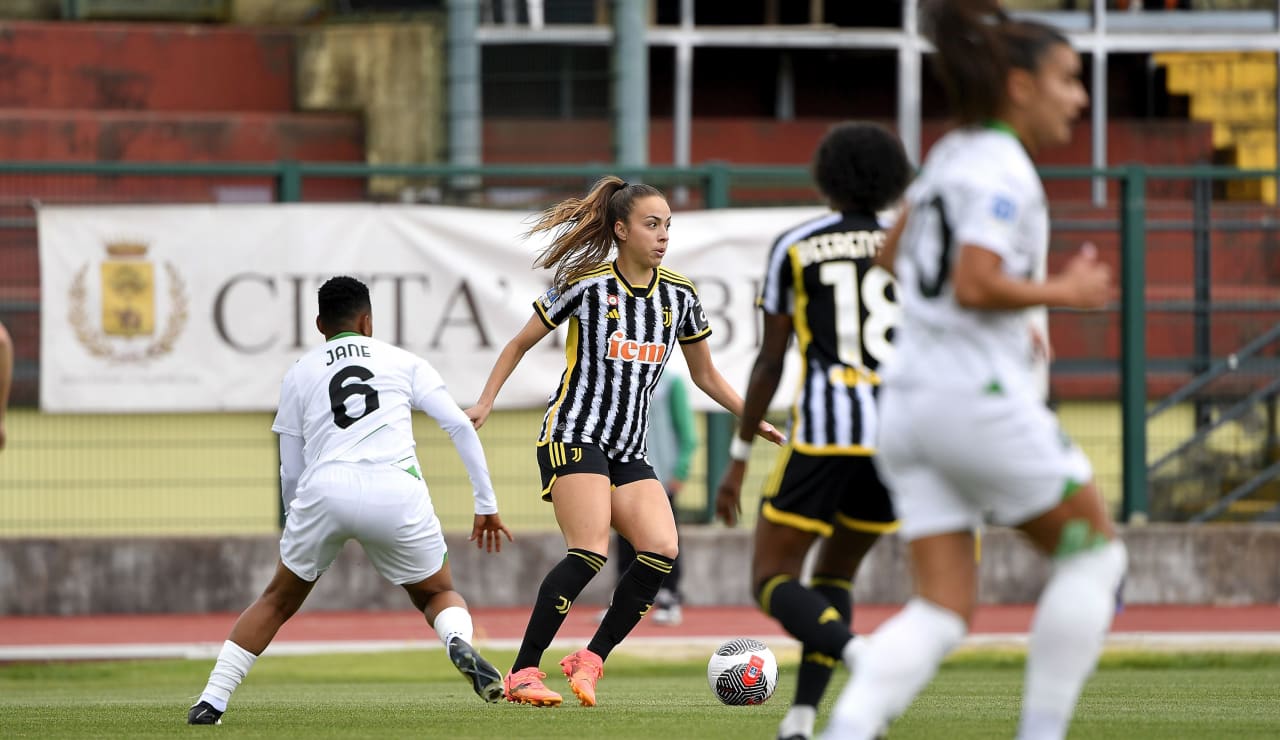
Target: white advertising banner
{"x": 203, "y": 308}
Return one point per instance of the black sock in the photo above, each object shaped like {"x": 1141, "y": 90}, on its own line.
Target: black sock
{"x": 815, "y": 666}
{"x": 561, "y": 586}
{"x": 631, "y": 601}
{"x": 805, "y": 614}
{"x": 625, "y": 555}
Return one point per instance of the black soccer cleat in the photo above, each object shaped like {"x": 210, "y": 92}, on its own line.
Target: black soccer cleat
{"x": 485, "y": 679}
{"x": 203, "y": 713}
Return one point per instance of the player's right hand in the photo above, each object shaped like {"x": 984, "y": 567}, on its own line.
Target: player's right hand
{"x": 485, "y": 529}
{"x": 729, "y": 492}
{"x": 478, "y": 414}
{"x": 1087, "y": 278}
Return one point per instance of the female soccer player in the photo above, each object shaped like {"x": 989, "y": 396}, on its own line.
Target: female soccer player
{"x": 963, "y": 430}
{"x": 822, "y": 285}
{"x": 625, "y": 317}
{"x": 348, "y": 470}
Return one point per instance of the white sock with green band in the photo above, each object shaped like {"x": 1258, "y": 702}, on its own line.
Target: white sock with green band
{"x": 1071, "y": 621}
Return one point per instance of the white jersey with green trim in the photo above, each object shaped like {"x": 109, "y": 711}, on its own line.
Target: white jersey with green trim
{"x": 351, "y": 400}
{"x": 977, "y": 187}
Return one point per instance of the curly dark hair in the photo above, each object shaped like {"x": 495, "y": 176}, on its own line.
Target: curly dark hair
{"x": 342, "y": 299}
{"x": 861, "y": 166}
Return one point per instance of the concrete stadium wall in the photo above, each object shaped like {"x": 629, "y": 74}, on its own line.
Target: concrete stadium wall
{"x": 1169, "y": 564}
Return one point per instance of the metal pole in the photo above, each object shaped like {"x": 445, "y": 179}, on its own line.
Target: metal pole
{"x": 1275, "y": 184}
{"x": 630, "y": 85}
{"x": 784, "y": 104}
{"x": 1133, "y": 346}
{"x": 1202, "y": 277}
{"x": 909, "y": 81}
{"x": 1098, "y": 121}
{"x": 463, "y": 83}
{"x": 289, "y": 182}
{"x": 682, "y": 109}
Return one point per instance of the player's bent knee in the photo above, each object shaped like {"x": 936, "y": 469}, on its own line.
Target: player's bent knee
{"x": 764, "y": 587}
{"x": 1105, "y": 563}
{"x": 1078, "y": 536}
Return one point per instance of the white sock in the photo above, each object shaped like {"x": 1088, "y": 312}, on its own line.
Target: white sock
{"x": 233, "y": 663}
{"x": 852, "y": 649}
{"x": 899, "y": 659}
{"x": 799, "y": 721}
{"x": 453, "y": 622}
{"x": 1071, "y": 621}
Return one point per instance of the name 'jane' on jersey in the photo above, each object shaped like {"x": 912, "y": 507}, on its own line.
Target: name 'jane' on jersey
{"x": 345, "y": 351}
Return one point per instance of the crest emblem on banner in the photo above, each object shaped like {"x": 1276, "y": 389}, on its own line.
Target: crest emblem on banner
{"x": 123, "y": 324}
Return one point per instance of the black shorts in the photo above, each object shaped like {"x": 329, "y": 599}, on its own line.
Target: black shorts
{"x": 813, "y": 492}
{"x": 564, "y": 458}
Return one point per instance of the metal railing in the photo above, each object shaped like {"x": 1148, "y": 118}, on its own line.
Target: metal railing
{"x": 718, "y": 185}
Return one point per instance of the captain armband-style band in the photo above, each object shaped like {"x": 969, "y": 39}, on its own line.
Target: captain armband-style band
{"x": 740, "y": 449}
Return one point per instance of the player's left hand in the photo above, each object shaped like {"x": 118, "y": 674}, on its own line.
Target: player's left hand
{"x": 729, "y": 492}
{"x": 768, "y": 431}
{"x": 485, "y": 532}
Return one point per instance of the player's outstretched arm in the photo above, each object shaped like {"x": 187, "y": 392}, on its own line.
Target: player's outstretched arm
{"x": 981, "y": 282}
{"x": 522, "y": 342}
{"x": 705, "y": 375}
{"x": 292, "y": 464}
{"x": 439, "y": 405}
{"x": 766, "y": 373}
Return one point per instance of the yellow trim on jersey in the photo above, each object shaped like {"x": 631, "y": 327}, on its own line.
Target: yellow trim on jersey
{"x": 795, "y": 521}
{"x": 596, "y": 271}
{"x": 696, "y": 337}
{"x": 862, "y": 525}
{"x": 843, "y": 583}
{"x": 851, "y": 377}
{"x": 774, "y": 482}
{"x": 674, "y": 277}
{"x": 648, "y": 288}
{"x": 571, "y": 360}
{"x": 804, "y": 336}
{"x": 542, "y": 314}
{"x": 834, "y": 450}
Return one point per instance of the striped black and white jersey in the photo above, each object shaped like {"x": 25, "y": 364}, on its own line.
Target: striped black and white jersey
{"x": 823, "y": 274}
{"x": 620, "y": 338}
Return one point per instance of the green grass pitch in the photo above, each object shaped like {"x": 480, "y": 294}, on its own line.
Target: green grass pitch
{"x": 418, "y": 694}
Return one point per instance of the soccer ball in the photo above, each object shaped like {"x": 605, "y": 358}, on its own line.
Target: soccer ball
{"x": 743, "y": 671}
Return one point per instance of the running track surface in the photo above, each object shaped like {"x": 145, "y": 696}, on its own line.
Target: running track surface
{"x": 34, "y": 638}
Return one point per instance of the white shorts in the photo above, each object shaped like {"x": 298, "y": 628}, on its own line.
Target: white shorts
{"x": 382, "y": 507}
{"x": 952, "y": 461}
